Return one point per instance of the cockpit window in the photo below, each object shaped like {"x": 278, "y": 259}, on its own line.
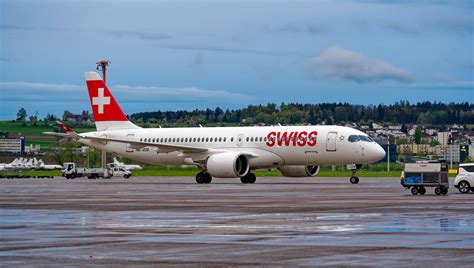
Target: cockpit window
{"x": 366, "y": 138}
{"x": 353, "y": 138}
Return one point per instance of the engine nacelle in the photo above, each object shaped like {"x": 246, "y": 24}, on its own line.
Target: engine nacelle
{"x": 299, "y": 171}
{"x": 228, "y": 165}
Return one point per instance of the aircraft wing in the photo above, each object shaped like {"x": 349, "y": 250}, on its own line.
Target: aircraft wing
{"x": 61, "y": 135}
{"x": 161, "y": 146}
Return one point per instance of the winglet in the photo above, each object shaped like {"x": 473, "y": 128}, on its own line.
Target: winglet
{"x": 64, "y": 127}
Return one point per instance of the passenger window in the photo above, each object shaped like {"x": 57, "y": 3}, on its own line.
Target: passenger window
{"x": 247, "y": 139}
{"x": 153, "y": 139}
{"x": 224, "y": 139}
{"x": 232, "y": 139}
{"x": 207, "y": 139}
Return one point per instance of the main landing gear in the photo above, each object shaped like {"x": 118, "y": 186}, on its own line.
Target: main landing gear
{"x": 249, "y": 178}
{"x": 203, "y": 177}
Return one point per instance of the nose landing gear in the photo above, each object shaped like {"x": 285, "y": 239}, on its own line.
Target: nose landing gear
{"x": 354, "y": 179}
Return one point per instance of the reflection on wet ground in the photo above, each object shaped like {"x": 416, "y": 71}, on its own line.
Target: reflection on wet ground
{"x": 323, "y": 221}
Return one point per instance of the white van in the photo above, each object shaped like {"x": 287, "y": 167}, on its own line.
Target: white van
{"x": 465, "y": 179}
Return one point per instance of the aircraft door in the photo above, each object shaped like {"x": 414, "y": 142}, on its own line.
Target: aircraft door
{"x": 129, "y": 138}
{"x": 331, "y": 142}
{"x": 240, "y": 140}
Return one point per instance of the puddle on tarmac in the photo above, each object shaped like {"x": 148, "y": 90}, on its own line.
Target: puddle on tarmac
{"x": 53, "y": 227}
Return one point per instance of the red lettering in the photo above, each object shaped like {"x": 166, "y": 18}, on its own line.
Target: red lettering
{"x": 302, "y": 138}
{"x": 281, "y": 137}
{"x": 271, "y": 139}
{"x": 295, "y": 138}
{"x": 312, "y": 138}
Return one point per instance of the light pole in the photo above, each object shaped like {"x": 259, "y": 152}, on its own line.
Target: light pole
{"x": 388, "y": 154}
{"x": 102, "y": 66}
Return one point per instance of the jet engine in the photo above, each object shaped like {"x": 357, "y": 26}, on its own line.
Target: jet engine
{"x": 228, "y": 165}
{"x": 299, "y": 171}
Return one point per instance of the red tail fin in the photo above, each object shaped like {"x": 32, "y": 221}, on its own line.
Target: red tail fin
{"x": 107, "y": 112}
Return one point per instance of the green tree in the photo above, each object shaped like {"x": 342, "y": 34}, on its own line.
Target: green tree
{"x": 418, "y": 135}
{"x": 93, "y": 157}
{"x": 67, "y": 152}
{"x": 21, "y": 115}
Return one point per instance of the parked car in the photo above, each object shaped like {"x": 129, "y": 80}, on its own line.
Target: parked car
{"x": 465, "y": 179}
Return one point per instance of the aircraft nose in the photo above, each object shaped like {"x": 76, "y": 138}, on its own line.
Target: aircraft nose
{"x": 379, "y": 152}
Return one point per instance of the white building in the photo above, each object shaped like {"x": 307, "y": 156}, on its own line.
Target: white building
{"x": 452, "y": 151}
{"x": 443, "y": 138}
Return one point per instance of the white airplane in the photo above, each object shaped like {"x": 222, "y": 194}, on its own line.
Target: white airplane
{"x": 39, "y": 164}
{"x": 17, "y": 164}
{"x": 14, "y": 163}
{"x": 223, "y": 152}
{"x": 126, "y": 166}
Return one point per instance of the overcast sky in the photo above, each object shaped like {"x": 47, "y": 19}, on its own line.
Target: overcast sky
{"x": 173, "y": 55}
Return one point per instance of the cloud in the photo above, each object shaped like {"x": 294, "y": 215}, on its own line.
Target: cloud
{"x": 138, "y": 34}
{"x": 308, "y": 28}
{"x": 399, "y": 28}
{"x": 339, "y": 63}
{"x": 229, "y": 50}
{"x": 47, "y": 91}
{"x": 123, "y": 33}
{"x": 463, "y": 25}
{"x": 198, "y": 61}
{"x": 460, "y": 3}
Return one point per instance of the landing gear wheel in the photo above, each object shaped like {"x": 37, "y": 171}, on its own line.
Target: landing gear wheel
{"x": 249, "y": 178}
{"x": 414, "y": 190}
{"x": 208, "y": 178}
{"x": 201, "y": 177}
{"x": 252, "y": 178}
{"x": 464, "y": 187}
{"x": 354, "y": 180}
{"x": 438, "y": 191}
{"x": 422, "y": 190}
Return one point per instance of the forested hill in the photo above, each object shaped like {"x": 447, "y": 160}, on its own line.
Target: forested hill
{"x": 328, "y": 113}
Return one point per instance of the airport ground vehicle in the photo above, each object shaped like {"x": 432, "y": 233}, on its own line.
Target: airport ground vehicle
{"x": 223, "y": 152}
{"x": 465, "y": 179}
{"x": 418, "y": 176}
{"x": 70, "y": 171}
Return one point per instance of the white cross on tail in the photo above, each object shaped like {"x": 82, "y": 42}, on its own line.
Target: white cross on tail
{"x": 100, "y": 100}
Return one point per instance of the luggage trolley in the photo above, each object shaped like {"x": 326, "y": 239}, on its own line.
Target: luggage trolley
{"x": 422, "y": 174}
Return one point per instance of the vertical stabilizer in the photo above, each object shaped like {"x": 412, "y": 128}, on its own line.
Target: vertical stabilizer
{"x": 107, "y": 113}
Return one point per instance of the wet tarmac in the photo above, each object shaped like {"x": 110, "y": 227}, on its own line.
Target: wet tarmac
{"x": 275, "y": 222}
